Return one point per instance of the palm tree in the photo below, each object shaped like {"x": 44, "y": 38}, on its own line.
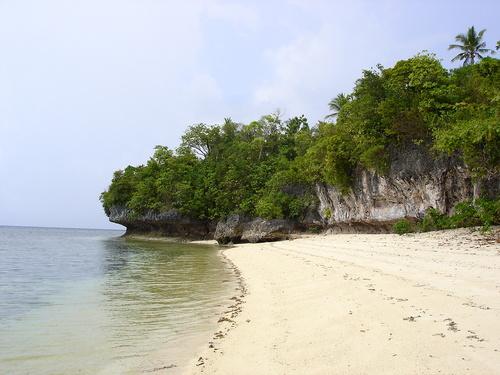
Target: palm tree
{"x": 336, "y": 104}
{"x": 471, "y": 45}
{"x": 498, "y": 45}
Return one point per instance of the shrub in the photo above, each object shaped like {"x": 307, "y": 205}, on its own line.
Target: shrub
{"x": 315, "y": 229}
{"x": 488, "y": 212}
{"x": 483, "y": 212}
{"x": 270, "y": 207}
{"x": 434, "y": 220}
{"x": 465, "y": 215}
{"x": 402, "y": 226}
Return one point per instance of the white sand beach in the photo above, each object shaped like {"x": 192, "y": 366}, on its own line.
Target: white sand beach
{"x": 362, "y": 304}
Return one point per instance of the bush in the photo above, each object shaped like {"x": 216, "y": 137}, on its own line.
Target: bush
{"x": 403, "y": 226}
{"x": 270, "y": 206}
{"x": 434, "y": 220}
{"x": 483, "y": 212}
{"x": 488, "y": 212}
{"x": 465, "y": 215}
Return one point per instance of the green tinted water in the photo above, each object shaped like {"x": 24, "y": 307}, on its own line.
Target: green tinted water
{"x": 87, "y": 302}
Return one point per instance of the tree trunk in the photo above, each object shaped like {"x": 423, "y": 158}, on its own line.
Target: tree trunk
{"x": 476, "y": 190}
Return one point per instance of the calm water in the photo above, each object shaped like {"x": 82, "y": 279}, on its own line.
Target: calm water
{"x": 89, "y": 302}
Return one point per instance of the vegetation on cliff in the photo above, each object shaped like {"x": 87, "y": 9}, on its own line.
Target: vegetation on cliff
{"x": 483, "y": 212}
{"x": 268, "y": 168}
{"x": 218, "y": 170}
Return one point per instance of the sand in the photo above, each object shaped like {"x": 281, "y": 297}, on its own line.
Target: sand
{"x": 362, "y": 304}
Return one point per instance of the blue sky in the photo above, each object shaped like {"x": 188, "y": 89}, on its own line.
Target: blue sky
{"x": 88, "y": 87}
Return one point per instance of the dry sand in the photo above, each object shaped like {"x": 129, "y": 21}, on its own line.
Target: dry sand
{"x": 363, "y": 304}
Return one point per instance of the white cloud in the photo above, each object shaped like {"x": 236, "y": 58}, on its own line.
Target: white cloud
{"x": 305, "y": 73}
{"x": 317, "y": 65}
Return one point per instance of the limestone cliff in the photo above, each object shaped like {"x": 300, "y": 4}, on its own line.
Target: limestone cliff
{"x": 169, "y": 224}
{"x": 415, "y": 181}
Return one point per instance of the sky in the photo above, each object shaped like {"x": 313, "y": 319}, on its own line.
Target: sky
{"x": 90, "y": 86}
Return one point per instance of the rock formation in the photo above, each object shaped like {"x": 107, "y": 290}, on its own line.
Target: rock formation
{"x": 169, "y": 224}
{"x": 415, "y": 181}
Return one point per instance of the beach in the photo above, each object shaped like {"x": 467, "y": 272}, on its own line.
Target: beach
{"x": 361, "y": 304}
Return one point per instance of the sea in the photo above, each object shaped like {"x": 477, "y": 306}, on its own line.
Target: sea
{"x": 85, "y": 301}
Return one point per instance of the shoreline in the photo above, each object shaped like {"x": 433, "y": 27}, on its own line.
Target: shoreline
{"x": 227, "y": 320}
{"x": 158, "y": 238}
{"x": 177, "y": 356}
{"x": 363, "y": 304}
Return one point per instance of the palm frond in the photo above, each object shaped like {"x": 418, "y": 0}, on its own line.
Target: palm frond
{"x": 471, "y": 44}
{"x": 452, "y": 46}
{"x": 460, "y": 56}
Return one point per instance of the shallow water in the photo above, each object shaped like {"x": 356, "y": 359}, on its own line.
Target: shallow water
{"x": 88, "y": 301}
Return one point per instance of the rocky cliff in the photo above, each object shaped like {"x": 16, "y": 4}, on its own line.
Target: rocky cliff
{"x": 233, "y": 229}
{"x": 415, "y": 181}
{"x": 169, "y": 224}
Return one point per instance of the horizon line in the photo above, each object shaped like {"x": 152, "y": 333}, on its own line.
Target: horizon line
{"x": 52, "y": 227}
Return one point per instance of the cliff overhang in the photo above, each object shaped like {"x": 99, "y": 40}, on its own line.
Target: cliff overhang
{"x": 415, "y": 182}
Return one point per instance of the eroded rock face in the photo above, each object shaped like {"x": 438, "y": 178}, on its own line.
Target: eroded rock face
{"x": 238, "y": 228}
{"x": 230, "y": 229}
{"x": 260, "y": 230}
{"x": 414, "y": 183}
{"x": 168, "y": 223}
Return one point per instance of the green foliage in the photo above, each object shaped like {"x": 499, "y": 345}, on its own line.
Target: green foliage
{"x": 327, "y": 213}
{"x": 482, "y": 212}
{"x": 268, "y": 167}
{"x": 403, "y": 226}
{"x": 416, "y": 101}
{"x": 375, "y": 158}
{"x": 434, "y": 220}
{"x": 271, "y": 206}
{"x": 471, "y": 46}
{"x": 221, "y": 169}
{"x": 336, "y": 104}
{"x": 473, "y": 127}
{"x": 121, "y": 189}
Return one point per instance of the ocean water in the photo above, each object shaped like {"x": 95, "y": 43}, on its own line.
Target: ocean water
{"x": 75, "y": 301}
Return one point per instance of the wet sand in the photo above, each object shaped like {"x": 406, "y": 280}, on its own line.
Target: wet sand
{"x": 362, "y": 304}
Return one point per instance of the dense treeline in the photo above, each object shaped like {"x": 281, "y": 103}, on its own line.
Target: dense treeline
{"x": 219, "y": 170}
{"x": 267, "y": 168}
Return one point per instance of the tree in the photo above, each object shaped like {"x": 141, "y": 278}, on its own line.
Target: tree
{"x": 471, "y": 45}
{"x": 269, "y": 167}
{"x": 336, "y": 104}
{"x": 201, "y": 139}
